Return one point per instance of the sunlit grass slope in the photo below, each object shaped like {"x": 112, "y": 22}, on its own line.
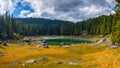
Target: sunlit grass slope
{"x": 92, "y": 56}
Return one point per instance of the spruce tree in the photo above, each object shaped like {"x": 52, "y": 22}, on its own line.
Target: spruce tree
{"x": 116, "y": 31}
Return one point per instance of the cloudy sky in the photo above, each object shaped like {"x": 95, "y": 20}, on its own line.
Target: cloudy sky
{"x": 70, "y": 10}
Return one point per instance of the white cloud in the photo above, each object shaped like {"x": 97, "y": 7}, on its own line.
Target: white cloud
{"x": 23, "y": 13}
{"x": 113, "y": 12}
{"x": 7, "y": 5}
{"x": 67, "y": 9}
{"x": 71, "y": 10}
{"x": 36, "y": 5}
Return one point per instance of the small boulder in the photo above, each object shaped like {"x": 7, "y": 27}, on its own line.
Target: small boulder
{"x": 42, "y": 62}
{"x": 72, "y": 63}
{"x": 19, "y": 62}
{"x": 45, "y": 58}
{"x": 38, "y": 46}
{"x": 31, "y": 61}
{"x": 113, "y": 47}
{"x": 60, "y": 63}
{"x": 0, "y": 42}
{"x": 23, "y": 64}
{"x": 5, "y": 44}
{"x": 66, "y": 46}
{"x": 1, "y": 54}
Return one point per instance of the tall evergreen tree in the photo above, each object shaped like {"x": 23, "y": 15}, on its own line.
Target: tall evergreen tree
{"x": 116, "y": 32}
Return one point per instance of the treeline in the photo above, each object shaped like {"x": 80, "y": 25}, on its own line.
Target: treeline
{"x": 11, "y": 27}
{"x": 41, "y": 26}
{"x": 101, "y": 25}
{"x": 8, "y": 27}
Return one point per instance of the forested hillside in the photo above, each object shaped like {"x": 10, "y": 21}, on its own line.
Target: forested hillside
{"x": 38, "y": 26}
{"x": 100, "y": 25}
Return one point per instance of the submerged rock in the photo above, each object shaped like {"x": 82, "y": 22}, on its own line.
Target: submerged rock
{"x": 62, "y": 43}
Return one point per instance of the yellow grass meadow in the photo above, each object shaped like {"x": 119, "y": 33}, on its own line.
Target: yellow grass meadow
{"x": 93, "y": 56}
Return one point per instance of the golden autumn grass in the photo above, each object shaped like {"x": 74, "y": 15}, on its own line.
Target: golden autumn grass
{"x": 14, "y": 53}
{"x": 104, "y": 59}
{"x": 93, "y": 56}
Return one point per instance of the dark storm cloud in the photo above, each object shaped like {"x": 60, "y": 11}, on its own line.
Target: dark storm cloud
{"x": 81, "y": 9}
{"x": 68, "y": 6}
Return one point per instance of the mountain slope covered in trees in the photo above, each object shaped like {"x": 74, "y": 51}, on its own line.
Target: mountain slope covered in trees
{"x": 11, "y": 27}
{"x": 95, "y": 26}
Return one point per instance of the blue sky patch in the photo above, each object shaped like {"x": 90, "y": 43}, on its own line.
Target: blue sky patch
{"x": 20, "y": 7}
{"x": 114, "y": 9}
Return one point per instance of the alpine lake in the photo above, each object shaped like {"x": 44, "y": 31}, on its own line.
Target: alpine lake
{"x": 65, "y": 41}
